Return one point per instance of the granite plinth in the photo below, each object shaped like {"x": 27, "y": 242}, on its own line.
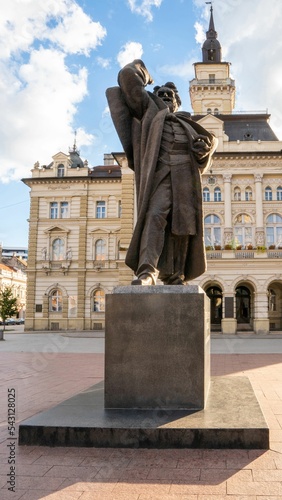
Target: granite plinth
{"x": 157, "y": 347}
{"x": 232, "y": 418}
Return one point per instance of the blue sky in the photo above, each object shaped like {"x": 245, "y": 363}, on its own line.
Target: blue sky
{"x": 57, "y": 57}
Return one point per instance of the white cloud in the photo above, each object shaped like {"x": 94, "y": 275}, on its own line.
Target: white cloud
{"x": 129, "y": 52}
{"x": 249, "y": 33}
{"x": 39, "y": 92}
{"x": 76, "y": 33}
{"x": 104, "y": 63}
{"x": 200, "y": 33}
{"x": 144, "y": 7}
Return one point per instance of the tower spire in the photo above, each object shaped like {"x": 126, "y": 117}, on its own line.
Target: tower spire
{"x": 211, "y": 48}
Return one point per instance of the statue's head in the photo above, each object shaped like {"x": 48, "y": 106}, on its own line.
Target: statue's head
{"x": 169, "y": 95}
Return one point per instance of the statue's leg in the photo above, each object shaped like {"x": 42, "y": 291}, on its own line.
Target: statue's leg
{"x": 153, "y": 234}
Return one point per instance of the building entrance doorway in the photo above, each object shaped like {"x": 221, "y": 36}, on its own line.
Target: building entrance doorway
{"x": 243, "y": 305}
{"x": 215, "y": 295}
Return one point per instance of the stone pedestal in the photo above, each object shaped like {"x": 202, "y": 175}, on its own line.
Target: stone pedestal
{"x": 157, "y": 351}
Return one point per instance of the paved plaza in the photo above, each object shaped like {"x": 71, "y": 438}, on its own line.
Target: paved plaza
{"x": 39, "y": 371}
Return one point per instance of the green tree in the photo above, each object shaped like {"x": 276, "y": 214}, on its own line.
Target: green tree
{"x": 8, "y": 304}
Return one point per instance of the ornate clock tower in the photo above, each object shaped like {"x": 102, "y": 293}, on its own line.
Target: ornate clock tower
{"x": 212, "y": 90}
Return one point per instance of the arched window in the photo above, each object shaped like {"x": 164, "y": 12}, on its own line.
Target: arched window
{"x": 279, "y": 193}
{"x": 217, "y": 194}
{"x": 99, "y": 301}
{"x": 58, "y": 249}
{"x": 209, "y": 110}
{"x": 243, "y": 230}
{"x": 216, "y": 111}
{"x": 274, "y": 230}
{"x": 248, "y": 194}
{"x": 243, "y": 304}
{"x": 215, "y": 295}
{"x": 206, "y": 194}
{"x": 61, "y": 170}
{"x": 100, "y": 250}
{"x": 237, "y": 194}
{"x": 268, "y": 194}
{"x": 56, "y": 301}
{"x": 212, "y": 230}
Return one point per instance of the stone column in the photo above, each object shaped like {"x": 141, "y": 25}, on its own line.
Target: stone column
{"x": 261, "y": 315}
{"x": 228, "y": 231}
{"x": 81, "y": 263}
{"x": 31, "y": 268}
{"x": 260, "y": 235}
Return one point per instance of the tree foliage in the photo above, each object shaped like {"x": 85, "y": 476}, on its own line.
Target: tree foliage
{"x": 8, "y": 304}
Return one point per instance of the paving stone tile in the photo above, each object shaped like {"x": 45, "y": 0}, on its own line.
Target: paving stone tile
{"x": 39, "y": 483}
{"x": 167, "y": 497}
{"x": 253, "y": 488}
{"x": 83, "y": 473}
{"x": 129, "y": 487}
{"x": 226, "y": 497}
{"x": 201, "y": 487}
{"x": 32, "y": 470}
{"x": 49, "y": 495}
{"x": 107, "y": 496}
{"x": 267, "y": 475}
{"x": 111, "y": 462}
{"x": 174, "y": 474}
{"x": 220, "y": 475}
{"x": 10, "y": 495}
{"x": 58, "y": 460}
{"x": 75, "y": 484}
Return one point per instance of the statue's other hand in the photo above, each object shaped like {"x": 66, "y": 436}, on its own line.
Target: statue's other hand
{"x": 201, "y": 146}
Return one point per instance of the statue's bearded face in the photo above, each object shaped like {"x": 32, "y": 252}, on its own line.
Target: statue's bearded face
{"x": 168, "y": 96}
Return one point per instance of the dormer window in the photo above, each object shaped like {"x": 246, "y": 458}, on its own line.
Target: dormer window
{"x": 61, "y": 170}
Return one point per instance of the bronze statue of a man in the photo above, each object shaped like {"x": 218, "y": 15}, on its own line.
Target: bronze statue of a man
{"x": 168, "y": 153}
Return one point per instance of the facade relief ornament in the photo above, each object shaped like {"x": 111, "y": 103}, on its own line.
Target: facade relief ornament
{"x": 227, "y": 177}
{"x": 228, "y": 236}
{"x": 260, "y": 239}
{"x": 258, "y": 177}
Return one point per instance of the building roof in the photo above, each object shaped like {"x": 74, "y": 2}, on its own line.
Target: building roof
{"x": 5, "y": 268}
{"x": 109, "y": 171}
{"x": 246, "y": 127}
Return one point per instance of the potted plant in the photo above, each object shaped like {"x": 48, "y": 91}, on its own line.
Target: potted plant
{"x": 228, "y": 247}
{"x": 217, "y": 247}
{"x": 249, "y": 246}
{"x": 239, "y": 247}
{"x": 271, "y": 247}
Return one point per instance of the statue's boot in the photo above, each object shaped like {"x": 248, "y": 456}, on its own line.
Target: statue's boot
{"x": 144, "y": 280}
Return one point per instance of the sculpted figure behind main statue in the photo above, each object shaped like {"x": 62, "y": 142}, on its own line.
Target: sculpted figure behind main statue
{"x": 168, "y": 153}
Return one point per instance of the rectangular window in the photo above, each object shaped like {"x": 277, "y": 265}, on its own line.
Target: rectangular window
{"x": 59, "y": 210}
{"x": 101, "y": 210}
{"x": 212, "y": 78}
{"x": 54, "y": 210}
{"x": 119, "y": 209}
{"x": 64, "y": 209}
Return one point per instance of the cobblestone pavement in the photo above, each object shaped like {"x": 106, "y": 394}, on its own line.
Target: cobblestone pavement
{"x": 48, "y": 375}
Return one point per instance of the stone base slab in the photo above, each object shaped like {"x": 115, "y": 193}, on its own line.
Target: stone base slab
{"x": 232, "y": 419}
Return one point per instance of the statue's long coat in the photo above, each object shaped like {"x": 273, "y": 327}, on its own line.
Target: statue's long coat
{"x": 139, "y": 117}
